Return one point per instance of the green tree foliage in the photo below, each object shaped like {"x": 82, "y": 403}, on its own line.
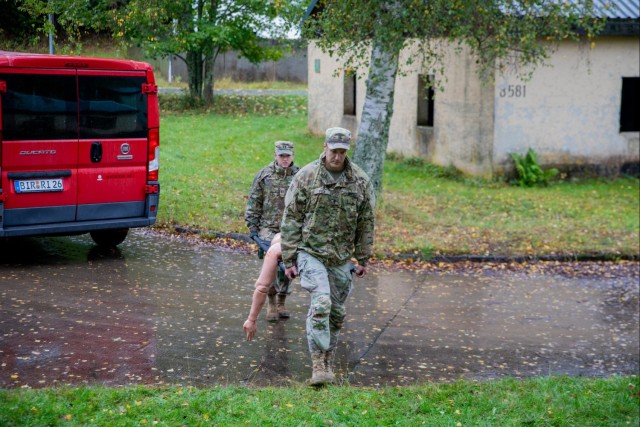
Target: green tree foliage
{"x": 195, "y": 31}
{"x": 503, "y": 35}
{"x": 72, "y": 19}
{"x": 14, "y": 23}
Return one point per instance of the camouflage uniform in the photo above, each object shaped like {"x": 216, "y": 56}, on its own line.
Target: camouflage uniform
{"x": 266, "y": 200}
{"x": 325, "y": 223}
{"x": 265, "y": 205}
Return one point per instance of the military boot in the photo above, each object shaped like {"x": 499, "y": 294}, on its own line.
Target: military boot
{"x": 319, "y": 376}
{"x": 272, "y": 312}
{"x": 328, "y": 365}
{"x": 282, "y": 311}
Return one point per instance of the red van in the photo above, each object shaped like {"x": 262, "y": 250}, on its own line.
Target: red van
{"x": 79, "y": 144}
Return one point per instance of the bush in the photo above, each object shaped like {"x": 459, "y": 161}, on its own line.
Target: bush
{"x": 237, "y": 105}
{"x": 529, "y": 171}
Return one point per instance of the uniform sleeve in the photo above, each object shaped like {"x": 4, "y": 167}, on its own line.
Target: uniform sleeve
{"x": 253, "y": 211}
{"x": 365, "y": 226}
{"x": 295, "y": 202}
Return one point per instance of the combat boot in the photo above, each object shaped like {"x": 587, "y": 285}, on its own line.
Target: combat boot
{"x": 328, "y": 365}
{"x": 319, "y": 376}
{"x": 282, "y": 311}
{"x": 272, "y": 312}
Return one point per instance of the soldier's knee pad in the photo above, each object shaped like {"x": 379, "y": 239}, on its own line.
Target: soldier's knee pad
{"x": 321, "y": 305}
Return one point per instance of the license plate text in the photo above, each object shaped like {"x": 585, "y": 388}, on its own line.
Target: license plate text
{"x": 38, "y": 185}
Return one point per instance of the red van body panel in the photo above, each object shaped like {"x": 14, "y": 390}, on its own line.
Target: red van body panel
{"x": 76, "y": 154}
{"x": 22, "y": 156}
{"x": 36, "y": 60}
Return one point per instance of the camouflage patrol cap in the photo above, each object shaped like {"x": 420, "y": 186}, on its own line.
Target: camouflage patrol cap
{"x": 338, "y": 138}
{"x": 284, "y": 147}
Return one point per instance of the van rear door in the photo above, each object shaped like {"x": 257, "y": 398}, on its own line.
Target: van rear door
{"x": 39, "y": 145}
{"x": 113, "y": 132}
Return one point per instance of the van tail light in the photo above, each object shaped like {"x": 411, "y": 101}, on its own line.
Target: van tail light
{"x": 154, "y": 154}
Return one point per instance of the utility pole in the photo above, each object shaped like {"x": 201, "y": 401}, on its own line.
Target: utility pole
{"x": 52, "y": 49}
{"x": 174, "y": 31}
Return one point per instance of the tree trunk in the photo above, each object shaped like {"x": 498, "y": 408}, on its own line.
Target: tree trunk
{"x": 194, "y": 70}
{"x": 210, "y": 76}
{"x": 210, "y": 56}
{"x": 209, "y": 62}
{"x": 373, "y": 133}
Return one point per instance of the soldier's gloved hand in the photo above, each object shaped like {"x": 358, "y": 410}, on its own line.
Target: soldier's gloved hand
{"x": 291, "y": 272}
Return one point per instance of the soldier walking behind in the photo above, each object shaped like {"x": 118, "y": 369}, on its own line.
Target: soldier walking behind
{"x": 263, "y": 215}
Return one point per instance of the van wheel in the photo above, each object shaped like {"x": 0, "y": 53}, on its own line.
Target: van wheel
{"x": 109, "y": 238}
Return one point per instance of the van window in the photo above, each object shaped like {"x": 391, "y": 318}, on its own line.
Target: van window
{"x": 112, "y": 107}
{"x": 40, "y": 107}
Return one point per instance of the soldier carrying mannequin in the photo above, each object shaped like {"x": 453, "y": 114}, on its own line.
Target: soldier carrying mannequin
{"x": 263, "y": 215}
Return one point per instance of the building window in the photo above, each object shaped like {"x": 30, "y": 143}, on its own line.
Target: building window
{"x": 629, "y": 106}
{"x": 425, "y": 100}
{"x": 349, "y": 93}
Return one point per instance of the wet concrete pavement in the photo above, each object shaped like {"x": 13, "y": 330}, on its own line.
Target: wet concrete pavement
{"x": 167, "y": 311}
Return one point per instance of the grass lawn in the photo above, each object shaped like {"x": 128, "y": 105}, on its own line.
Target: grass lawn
{"x": 208, "y": 162}
{"x": 557, "y": 401}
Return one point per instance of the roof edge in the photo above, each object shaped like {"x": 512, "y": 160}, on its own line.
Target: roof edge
{"x": 621, "y": 27}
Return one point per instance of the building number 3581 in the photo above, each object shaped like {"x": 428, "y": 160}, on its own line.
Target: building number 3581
{"x": 513, "y": 91}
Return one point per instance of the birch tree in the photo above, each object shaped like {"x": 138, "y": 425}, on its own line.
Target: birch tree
{"x": 501, "y": 34}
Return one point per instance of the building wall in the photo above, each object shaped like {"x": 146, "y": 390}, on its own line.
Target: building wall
{"x": 568, "y": 112}
{"x": 463, "y": 118}
{"x": 326, "y": 94}
{"x": 463, "y": 123}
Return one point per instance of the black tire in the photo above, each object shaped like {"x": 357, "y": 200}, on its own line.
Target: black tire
{"x": 109, "y": 238}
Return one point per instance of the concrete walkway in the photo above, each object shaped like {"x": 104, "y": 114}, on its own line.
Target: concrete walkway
{"x": 167, "y": 311}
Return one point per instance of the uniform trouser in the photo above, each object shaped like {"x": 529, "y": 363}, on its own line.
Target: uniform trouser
{"x": 281, "y": 286}
{"x": 329, "y": 288}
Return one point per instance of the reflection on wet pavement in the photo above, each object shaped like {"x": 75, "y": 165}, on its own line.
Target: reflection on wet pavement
{"x": 165, "y": 311}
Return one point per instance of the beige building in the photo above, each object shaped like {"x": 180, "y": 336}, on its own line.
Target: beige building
{"x": 581, "y": 112}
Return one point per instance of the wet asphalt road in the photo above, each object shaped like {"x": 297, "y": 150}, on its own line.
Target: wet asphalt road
{"x": 161, "y": 310}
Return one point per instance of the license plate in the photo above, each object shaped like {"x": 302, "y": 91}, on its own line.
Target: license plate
{"x": 38, "y": 185}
